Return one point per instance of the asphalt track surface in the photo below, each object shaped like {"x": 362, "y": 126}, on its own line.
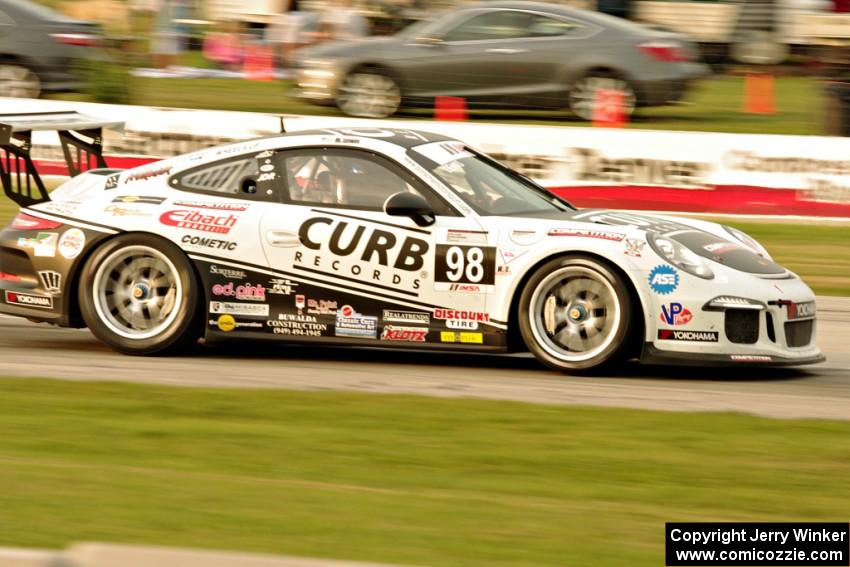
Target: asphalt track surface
{"x": 820, "y": 391}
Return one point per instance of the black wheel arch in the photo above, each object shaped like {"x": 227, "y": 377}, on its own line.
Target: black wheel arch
{"x": 75, "y": 316}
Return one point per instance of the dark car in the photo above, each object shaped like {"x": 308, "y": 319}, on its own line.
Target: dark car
{"x": 38, "y": 47}
{"x": 502, "y": 54}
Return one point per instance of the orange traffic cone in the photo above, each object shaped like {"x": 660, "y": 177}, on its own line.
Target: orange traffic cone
{"x": 608, "y": 108}
{"x": 450, "y": 108}
{"x": 259, "y": 63}
{"x": 758, "y": 94}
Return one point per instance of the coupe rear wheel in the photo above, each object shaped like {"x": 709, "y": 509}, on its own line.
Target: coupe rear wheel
{"x": 369, "y": 93}
{"x": 583, "y": 93}
{"x": 575, "y": 314}
{"x": 17, "y": 81}
{"x": 138, "y": 294}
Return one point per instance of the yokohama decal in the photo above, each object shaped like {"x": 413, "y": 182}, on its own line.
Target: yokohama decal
{"x": 29, "y": 300}
{"x": 692, "y": 336}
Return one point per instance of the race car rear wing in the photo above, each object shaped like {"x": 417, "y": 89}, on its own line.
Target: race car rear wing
{"x": 81, "y": 137}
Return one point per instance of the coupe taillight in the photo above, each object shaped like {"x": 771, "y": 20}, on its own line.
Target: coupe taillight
{"x": 78, "y": 39}
{"x": 24, "y": 221}
{"x": 665, "y": 51}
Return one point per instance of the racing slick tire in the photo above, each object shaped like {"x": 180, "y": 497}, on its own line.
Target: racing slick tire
{"x": 138, "y": 293}
{"x": 575, "y": 314}
{"x": 369, "y": 93}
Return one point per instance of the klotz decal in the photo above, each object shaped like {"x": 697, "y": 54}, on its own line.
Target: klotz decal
{"x": 675, "y": 314}
{"x": 663, "y": 279}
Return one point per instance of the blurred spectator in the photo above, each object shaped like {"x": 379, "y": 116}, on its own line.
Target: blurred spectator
{"x": 340, "y": 20}
{"x": 292, "y": 29}
{"x": 167, "y": 40}
{"x": 225, "y": 47}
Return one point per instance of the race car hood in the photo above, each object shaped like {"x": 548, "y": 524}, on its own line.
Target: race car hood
{"x": 707, "y": 239}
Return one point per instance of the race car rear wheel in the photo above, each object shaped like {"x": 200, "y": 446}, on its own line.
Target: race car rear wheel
{"x": 138, "y": 294}
{"x": 575, "y": 314}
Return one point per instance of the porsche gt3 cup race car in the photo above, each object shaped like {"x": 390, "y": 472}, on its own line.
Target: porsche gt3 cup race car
{"x": 380, "y": 237}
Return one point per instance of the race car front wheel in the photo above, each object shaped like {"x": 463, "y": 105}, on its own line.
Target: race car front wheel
{"x": 575, "y": 314}
{"x": 138, "y": 294}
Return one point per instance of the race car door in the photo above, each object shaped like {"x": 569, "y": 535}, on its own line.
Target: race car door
{"x": 357, "y": 272}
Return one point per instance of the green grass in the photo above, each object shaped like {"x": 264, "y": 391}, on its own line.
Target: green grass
{"x": 820, "y": 254}
{"x": 715, "y": 105}
{"x": 395, "y": 478}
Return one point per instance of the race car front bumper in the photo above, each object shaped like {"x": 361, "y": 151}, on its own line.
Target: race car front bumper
{"x": 737, "y": 320}
{"x": 652, "y": 355}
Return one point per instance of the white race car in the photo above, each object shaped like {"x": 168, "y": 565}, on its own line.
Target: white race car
{"x": 391, "y": 238}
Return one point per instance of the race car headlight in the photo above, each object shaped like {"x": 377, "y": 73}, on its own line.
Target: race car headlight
{"x": 748, "y": 241}
{"x": 680, "y": 256}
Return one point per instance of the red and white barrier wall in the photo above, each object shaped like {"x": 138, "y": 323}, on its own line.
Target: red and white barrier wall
{"x": 631, "y": 169}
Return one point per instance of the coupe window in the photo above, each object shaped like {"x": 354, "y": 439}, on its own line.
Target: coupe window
{"x": 347, "y": 178}
{"x": 484, "y": 184}
{"x": 509, "y": 24}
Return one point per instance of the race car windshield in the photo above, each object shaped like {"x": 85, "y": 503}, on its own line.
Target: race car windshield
{"x": 490, "y": 188}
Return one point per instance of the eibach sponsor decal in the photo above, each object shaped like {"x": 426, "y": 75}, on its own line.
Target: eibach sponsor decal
{"x": 196, "y": 220}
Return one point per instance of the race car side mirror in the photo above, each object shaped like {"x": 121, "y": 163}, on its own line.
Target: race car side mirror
{"x": 410, "y": 205}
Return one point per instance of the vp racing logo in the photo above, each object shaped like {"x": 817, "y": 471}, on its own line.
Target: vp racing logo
{"x": 663, "y": 279}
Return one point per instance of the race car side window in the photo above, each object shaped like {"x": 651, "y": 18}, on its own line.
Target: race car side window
{"x": 244, "y": 177}
{"x": 350, "y": 179}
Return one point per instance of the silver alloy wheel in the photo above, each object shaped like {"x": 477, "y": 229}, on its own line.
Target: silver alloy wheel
{"x": 574, "y": 313}
{"x": 17, "y": 81}
{"x": 137, "y": 292}
{"x": 369, "y": 95}
{"x": 582, "y": 96}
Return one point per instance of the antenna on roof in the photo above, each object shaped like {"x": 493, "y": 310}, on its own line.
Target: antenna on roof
{"x": 282, "y": 126}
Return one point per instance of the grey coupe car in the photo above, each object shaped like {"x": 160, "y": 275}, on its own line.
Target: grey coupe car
{"x": 37, "y": 48}
{"x": 502, "y": 54}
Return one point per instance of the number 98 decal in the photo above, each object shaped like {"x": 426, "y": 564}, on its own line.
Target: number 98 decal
{"x": 465, "y": 264}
